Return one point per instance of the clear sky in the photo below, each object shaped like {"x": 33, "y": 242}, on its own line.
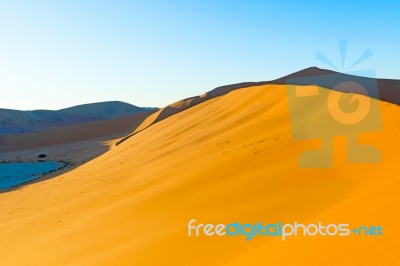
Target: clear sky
{"x": 55, "y": 54}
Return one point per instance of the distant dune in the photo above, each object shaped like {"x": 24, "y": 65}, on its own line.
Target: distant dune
{"x": 230, "y": 158}
{"x": 76, "y": 144}
{"x": 104, "y": 130}
{"x": 16, "y": 122}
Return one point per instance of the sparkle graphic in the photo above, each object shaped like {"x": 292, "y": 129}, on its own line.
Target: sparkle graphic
{"x": 343, "y": 46}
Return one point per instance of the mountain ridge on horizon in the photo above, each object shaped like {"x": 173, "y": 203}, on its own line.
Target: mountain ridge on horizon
{"x": 17, "y": 121}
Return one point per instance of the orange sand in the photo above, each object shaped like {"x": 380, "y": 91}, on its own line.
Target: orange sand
{"x": 229, "y": 159}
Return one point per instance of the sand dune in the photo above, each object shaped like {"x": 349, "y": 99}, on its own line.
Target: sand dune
{"x": 382, "y": 89}
{"x": 231, "y": 158}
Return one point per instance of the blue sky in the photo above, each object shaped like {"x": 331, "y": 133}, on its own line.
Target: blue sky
{"x": 55, "y": 54}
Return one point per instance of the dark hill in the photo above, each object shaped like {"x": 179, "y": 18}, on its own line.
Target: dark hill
{"x": 15, "y": 121}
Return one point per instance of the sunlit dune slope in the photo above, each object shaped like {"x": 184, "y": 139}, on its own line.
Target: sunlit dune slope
{"x": 231, "y": 158}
